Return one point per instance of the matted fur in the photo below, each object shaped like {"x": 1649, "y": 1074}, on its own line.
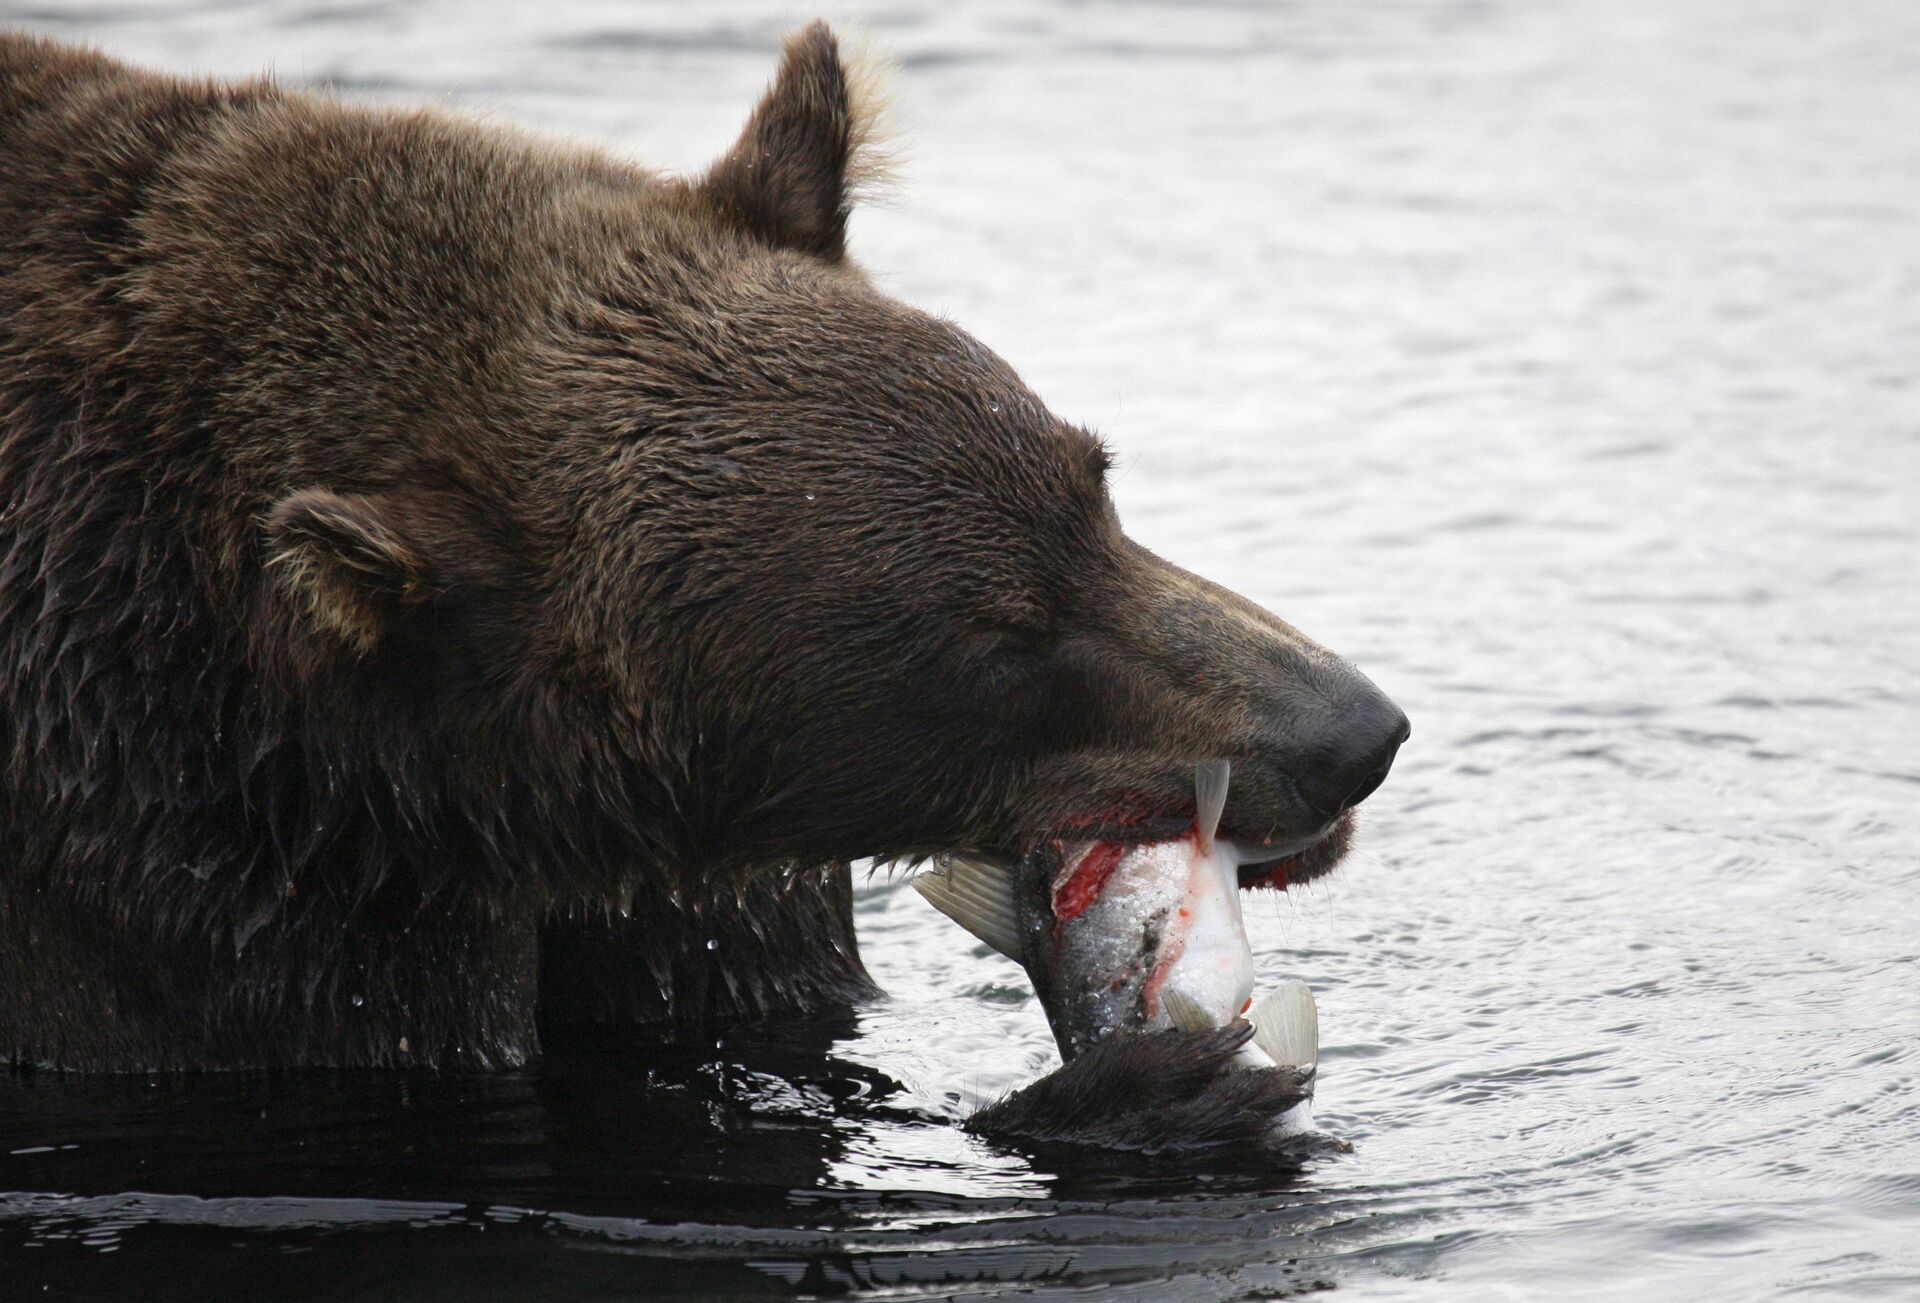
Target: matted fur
{"x": 448, "y": 578}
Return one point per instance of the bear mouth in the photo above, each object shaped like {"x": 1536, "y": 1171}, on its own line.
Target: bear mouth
{"x": 1270, "y": 863}
{"x": 1297, "y": 861}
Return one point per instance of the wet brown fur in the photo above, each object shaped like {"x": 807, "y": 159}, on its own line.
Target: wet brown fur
{"x": 449, "y": 578}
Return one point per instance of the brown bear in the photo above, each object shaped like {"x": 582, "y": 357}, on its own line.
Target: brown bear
{"x": 454, "y": 586}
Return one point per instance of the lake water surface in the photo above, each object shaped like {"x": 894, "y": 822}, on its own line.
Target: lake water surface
{"x": 1560, "y": 364}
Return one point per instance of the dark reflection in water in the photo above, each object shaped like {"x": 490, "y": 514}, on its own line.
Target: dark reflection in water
{"x": 575, "y": 1130}
{"x": 685, "y": 1169}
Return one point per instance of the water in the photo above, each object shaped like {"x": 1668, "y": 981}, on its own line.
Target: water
{"x": 1558, "y": 363}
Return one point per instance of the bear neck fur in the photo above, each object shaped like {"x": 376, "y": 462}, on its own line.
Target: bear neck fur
{"x": 227, "y": 841}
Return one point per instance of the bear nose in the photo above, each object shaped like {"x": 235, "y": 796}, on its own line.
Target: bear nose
{"x": 1359, "y": 757}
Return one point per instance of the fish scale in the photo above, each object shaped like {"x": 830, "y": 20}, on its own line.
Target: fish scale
{"x": 1137, "y": 937}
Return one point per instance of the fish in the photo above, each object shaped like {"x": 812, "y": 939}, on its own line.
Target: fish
{"x": 1121, "y": 938}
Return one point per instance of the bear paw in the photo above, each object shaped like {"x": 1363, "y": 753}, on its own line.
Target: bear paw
{"x": 1153, "y": 1093}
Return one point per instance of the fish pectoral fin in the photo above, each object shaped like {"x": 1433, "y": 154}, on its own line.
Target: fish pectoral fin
{"x": 1185, "y": 1011}
{"x": 1286, "y": 1025}
{"x": 978, "y": 895}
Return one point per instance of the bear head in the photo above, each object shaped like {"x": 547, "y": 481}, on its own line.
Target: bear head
{"x": 797, "y": 574}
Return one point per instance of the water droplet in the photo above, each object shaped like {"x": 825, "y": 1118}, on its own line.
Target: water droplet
{"x": 712, "y": 944}
{"x": 357, "y": 1002}
{"x": 809, "y": 497}
{"x": 993, "y": 407}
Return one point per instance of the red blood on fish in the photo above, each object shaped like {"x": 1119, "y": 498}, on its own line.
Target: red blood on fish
{"x": 1072, "y": 897}
{"x": 1150, "y": 993}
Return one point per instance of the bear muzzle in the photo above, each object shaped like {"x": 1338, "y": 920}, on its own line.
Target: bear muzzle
{"x": 1185, "y": 672}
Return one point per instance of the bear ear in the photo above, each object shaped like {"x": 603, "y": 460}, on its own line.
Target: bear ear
{"x": 791, "y": 178}
{"x": 349, "y": 561}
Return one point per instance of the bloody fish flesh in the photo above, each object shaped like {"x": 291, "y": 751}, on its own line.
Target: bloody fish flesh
{"x": 1122, "y": 937}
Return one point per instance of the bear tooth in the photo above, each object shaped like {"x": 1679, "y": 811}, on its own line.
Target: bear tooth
{"x": 1210, "y": 798}
{"x": 1286, "y": 1025}
{"x": 978, "y": 895}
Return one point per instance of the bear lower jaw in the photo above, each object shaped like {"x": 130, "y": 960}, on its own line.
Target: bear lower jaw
{"x": 1283, "y": 863}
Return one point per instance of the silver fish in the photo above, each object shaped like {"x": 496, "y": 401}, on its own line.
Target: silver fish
{"x": 1129, "y": 937}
